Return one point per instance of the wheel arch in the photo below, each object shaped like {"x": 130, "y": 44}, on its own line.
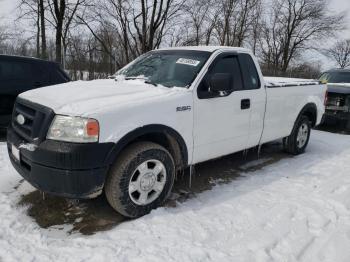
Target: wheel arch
{"x": 309, "y": 110}
{"x": 163, "y": 135}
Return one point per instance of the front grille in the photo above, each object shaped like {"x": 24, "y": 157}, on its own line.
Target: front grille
{"x": 36, "y": 123}
{"x": 334, "y": 99}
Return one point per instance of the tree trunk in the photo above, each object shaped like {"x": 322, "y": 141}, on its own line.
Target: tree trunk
{"x": 58, "y": 43}
{"x": 59, "y": 12}
{"x": 38, "y": 31}
{"x": 43, "y": 30}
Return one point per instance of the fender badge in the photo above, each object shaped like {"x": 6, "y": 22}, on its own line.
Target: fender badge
{"x": 183, "y": 108}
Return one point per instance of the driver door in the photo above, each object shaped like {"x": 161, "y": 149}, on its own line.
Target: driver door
{"x": 221, "y": 120}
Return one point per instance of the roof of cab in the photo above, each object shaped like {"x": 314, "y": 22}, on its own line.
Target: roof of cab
{"x": 338, "y": 70}
{"x": 207, "y": 48}
{"x": 25, "y": 58}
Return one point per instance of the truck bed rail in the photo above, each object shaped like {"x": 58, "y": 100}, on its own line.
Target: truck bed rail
{"x": 272, "y": 82}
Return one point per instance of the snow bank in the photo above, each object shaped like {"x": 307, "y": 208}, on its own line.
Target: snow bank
{"x": 297, "y": 209}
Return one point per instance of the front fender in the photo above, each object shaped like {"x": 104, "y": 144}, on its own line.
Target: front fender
{"x": 117, "y": 124}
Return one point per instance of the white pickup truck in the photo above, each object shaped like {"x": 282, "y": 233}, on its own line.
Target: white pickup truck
{"x": 167, "y": 110}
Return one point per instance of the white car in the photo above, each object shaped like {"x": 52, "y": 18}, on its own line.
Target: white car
{"x": 169, "y": 109}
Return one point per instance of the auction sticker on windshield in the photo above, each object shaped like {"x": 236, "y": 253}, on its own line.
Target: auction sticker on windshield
{"x": 187, "y": 61}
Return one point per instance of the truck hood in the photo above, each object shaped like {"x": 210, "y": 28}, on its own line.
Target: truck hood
{"x": 83, "y": 98}
{"x": 339, "y": 88}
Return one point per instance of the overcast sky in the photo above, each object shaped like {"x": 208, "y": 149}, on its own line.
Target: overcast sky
{"x": 342, "y": 6}
{"x": 7, "y": 7}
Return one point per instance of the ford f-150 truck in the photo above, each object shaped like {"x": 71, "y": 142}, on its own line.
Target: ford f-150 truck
{"x": 165, "y": 111}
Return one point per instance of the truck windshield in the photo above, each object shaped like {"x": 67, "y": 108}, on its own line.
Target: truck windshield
{"x": 335, "y": 77}
{"x": 169, "y": 68}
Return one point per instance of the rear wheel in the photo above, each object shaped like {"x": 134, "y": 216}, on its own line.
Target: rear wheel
{"x": 140, "y": 180}
{"x": 299, "y": 138}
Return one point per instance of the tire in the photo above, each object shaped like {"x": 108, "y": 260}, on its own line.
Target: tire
{"x": 299, "y": 138}
{"x": 140, "y": 180}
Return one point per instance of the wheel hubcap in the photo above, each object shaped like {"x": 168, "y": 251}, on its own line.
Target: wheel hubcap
{"x": 302, "y": 136}
{"x": 147, "y": 182}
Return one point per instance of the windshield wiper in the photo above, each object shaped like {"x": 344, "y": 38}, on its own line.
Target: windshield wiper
{"x": 135, "y": 77}
{"x": 147, "y": 81}
{"x": 150, "y": 82}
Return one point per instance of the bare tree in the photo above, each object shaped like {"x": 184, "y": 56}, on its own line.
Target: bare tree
{"x": 340, "y": 53}
{"x": 4, "y": 36}
{"x": 103, "y": 21}
{"x": 149, "y": 20}
{"x": 223, "y": 27}
{"x": 291, "y": 26}
{"x": 34, "y": 10}
{"x": 41, "y": 8}
{"x": 63, "y": 13}
{"x": 58, "y": 9}
{"x": 197, "y": 11}
{"x": 201, "y": 20}
{"x": 256, "y": 25}
{"x": 30, "y": 10}
{"x": 95, "y": 38}
{"x": 235, "y": 24}
{"x": 125, "y": 29}
{"x": 247, "y": 16}
{"x": 14, "y": 43}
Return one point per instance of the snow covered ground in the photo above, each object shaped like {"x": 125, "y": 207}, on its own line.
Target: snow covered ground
{"x": 297, "y": 209}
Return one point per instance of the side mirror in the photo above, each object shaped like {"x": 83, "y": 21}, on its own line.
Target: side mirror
{"x": 221, "y": 82}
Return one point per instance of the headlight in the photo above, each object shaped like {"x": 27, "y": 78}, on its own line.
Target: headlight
{"x": 74, "y": 129}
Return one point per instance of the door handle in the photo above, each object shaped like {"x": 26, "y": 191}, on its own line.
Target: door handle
{"x": 245, "y": 104}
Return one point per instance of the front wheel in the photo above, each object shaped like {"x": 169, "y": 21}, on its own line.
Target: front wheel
{"x": 299, "y": 138}
{"x": 140, "y": 180}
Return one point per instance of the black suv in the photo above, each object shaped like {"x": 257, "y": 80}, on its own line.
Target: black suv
{"x": 19, "y": 74}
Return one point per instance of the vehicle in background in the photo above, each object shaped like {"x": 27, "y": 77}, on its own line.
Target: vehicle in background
{"x": 167, "y": 110}
{"x": 338, "y": 97}
{"x": 19, "y": 74}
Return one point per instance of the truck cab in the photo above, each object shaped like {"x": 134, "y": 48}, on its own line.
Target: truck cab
{"x": 167, "y": 110}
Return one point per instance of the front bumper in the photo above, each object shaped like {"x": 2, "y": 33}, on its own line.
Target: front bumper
{"x": 66, "y": 169}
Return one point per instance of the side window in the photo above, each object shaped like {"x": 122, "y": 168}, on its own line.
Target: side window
{"x": 227, "y": 64}
{"x": 15, "y": 70}
{"x": 249, "y": 72}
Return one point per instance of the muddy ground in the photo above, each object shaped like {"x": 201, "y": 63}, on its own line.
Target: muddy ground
{"x": 91, "y": 216}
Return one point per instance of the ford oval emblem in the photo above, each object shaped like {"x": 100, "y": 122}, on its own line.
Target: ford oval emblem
{"x": 20, "y": 119}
